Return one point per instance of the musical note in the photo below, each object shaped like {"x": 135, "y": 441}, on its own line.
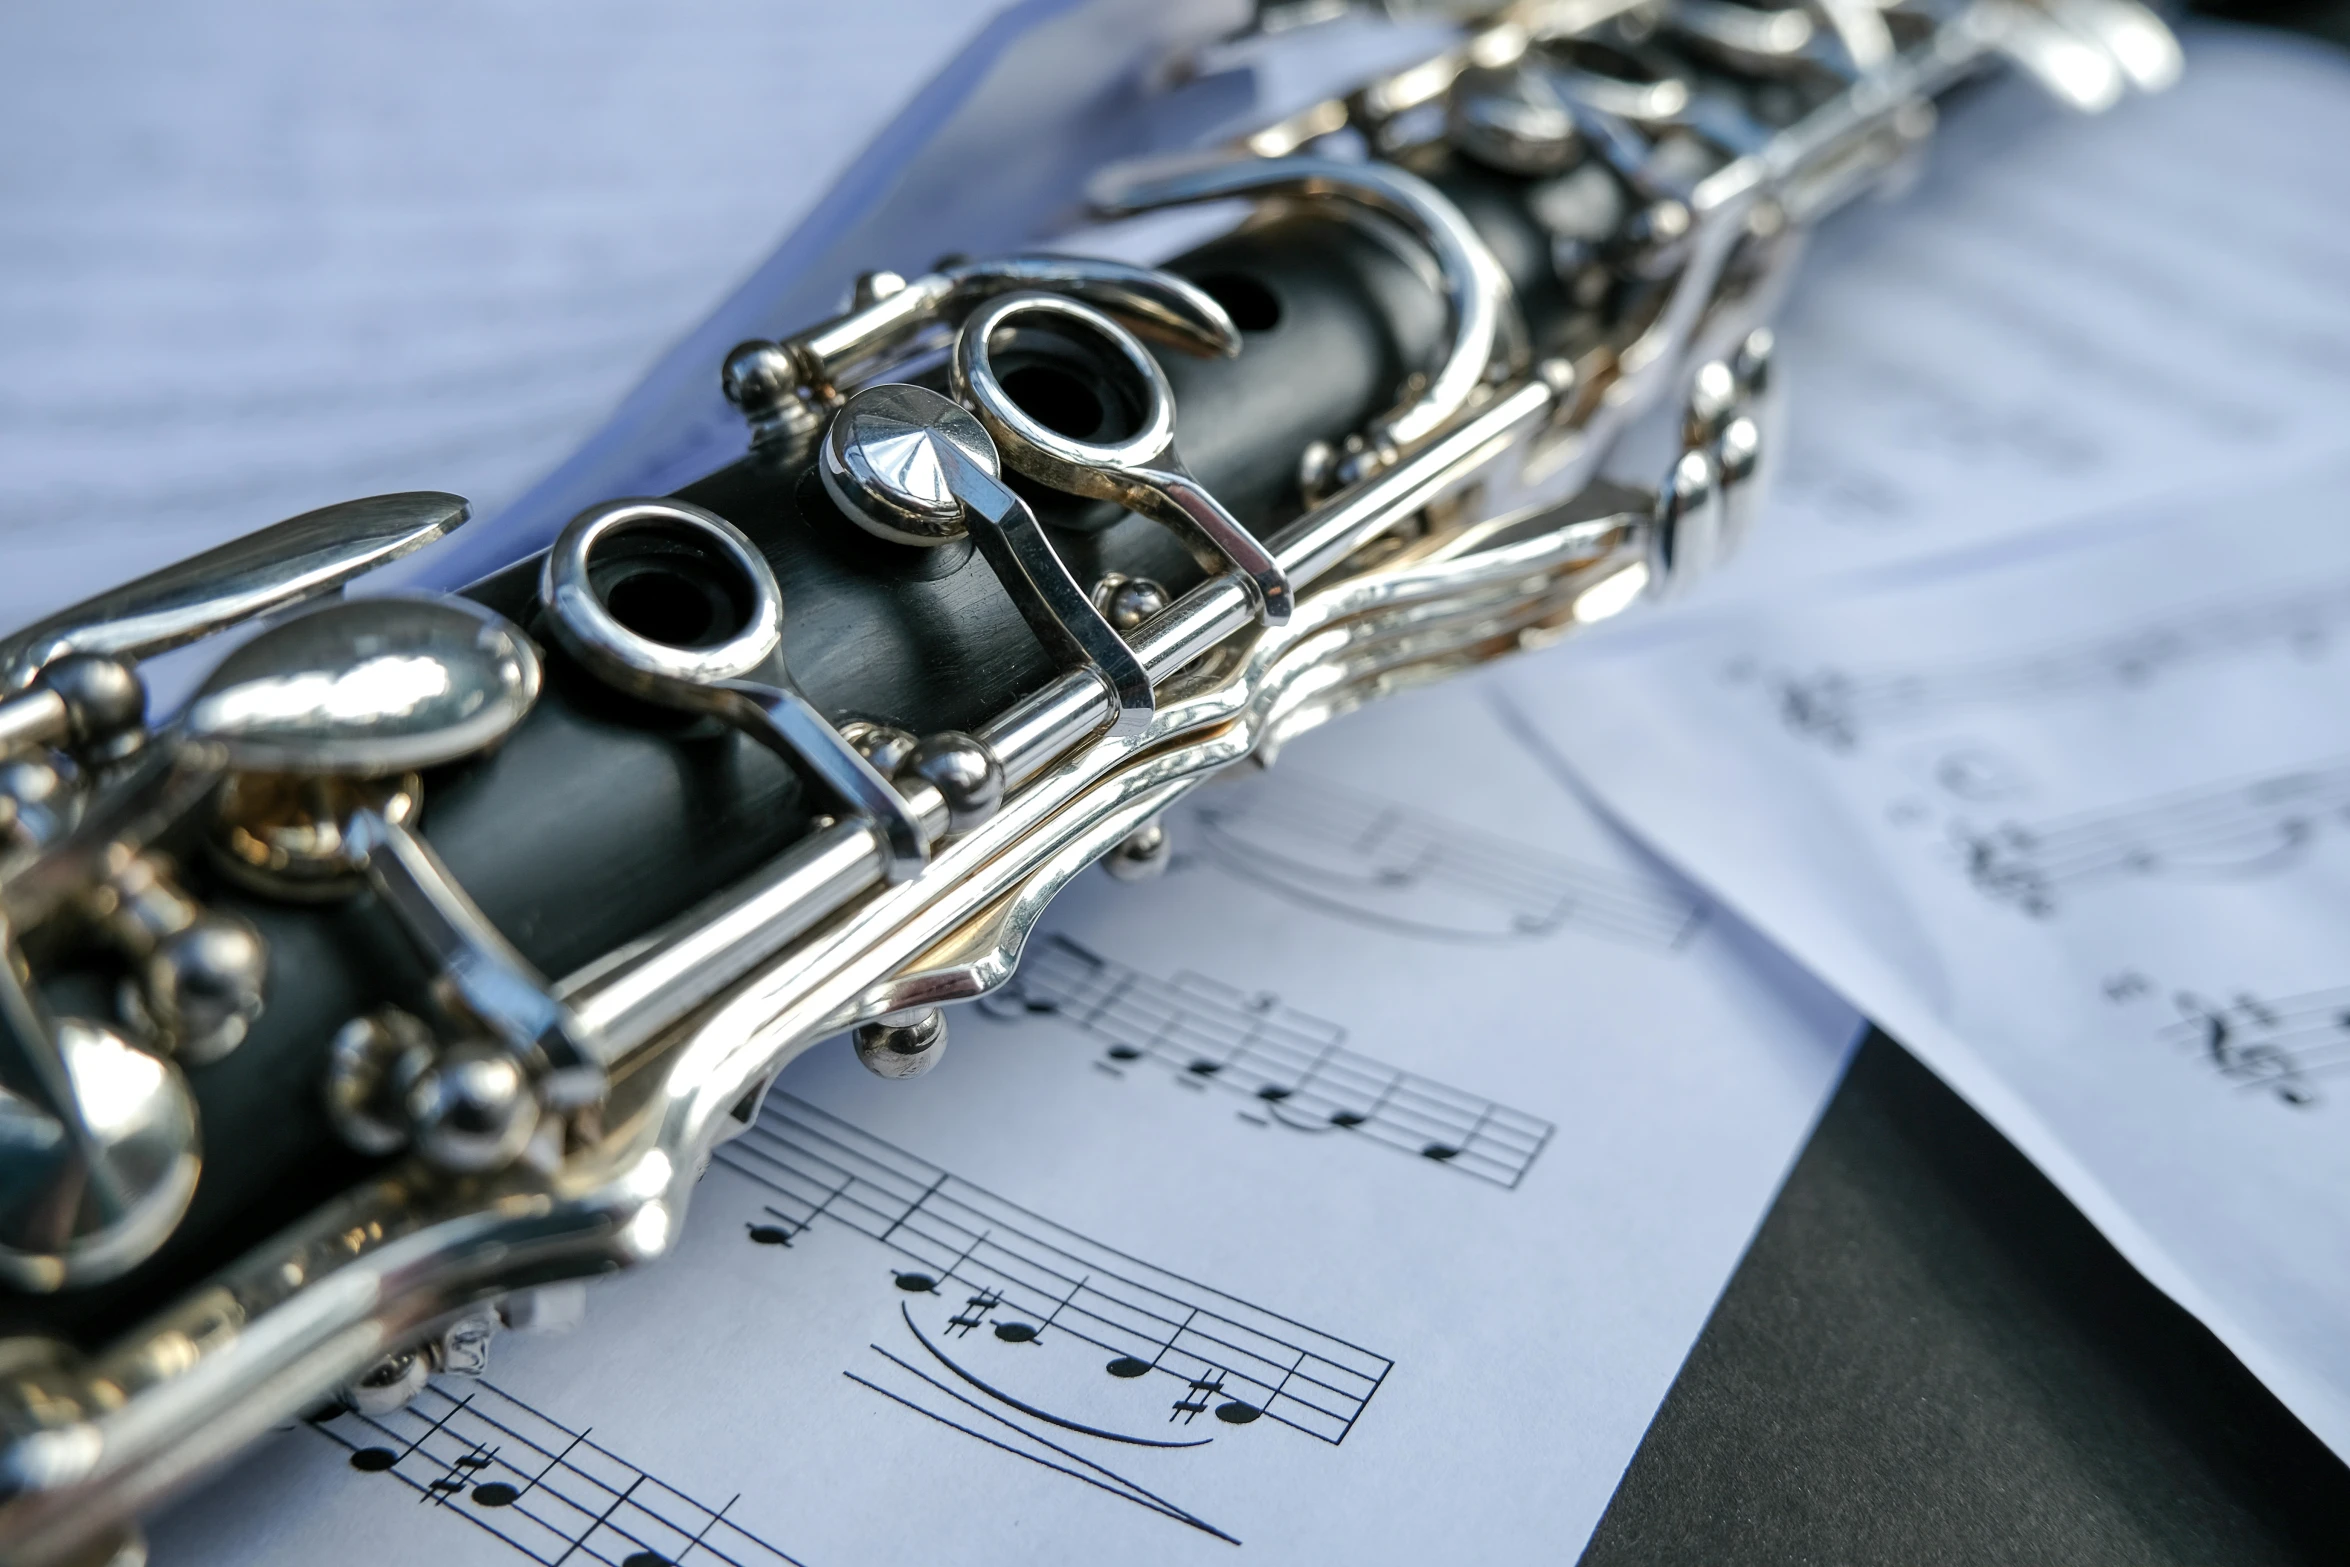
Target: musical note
{"x": 955, "y": 1408}
{"x": 974, "y": 1312}
{"x": 1021, "y": 1275}
{"x": 1291, "y": 1064}
{"x": 2230, "y": 830}
{"x": 1838, "y": 708}
{"x": 1375, "y": 863}
{"x": 1203, "y": 1391}
{"x": 544, "y": 1489}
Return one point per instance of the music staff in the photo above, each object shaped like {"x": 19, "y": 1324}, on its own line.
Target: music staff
{"x": 954, "y": 1237}
{"x": 931, "y": 1396}
{"x": 1374, "y": 863}
{"x": 2232, "y": 830}
{"x": 1291, "y": 1066}
{"x": 2276, "y": 1048}
{"x": 544, "y": 1489}
{"x": 1839, "y": 708}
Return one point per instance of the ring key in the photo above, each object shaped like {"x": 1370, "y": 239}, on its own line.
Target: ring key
{"x": 1141, "y": 472}
{"x": 717, "y": 679}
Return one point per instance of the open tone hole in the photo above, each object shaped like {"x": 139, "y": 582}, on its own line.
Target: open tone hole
{"x": 672, "y": 587}
{"x": 1252, "y": 306}
{"x": 1056, "y": 399}
{"x": 662, "y": 607}
{"x": 1069, "y": 378}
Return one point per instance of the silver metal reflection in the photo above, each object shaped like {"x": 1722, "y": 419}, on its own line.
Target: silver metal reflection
{"x": 785, "y": 389}
{"x": 478, "y": 975}
{"x": 1142, "y": 854}
{"x": 904, "y": 1044}
{"x": 881, "y": 463}
{"x": 1745, "y": 37}
{"x": 375, "y": 688}
{"x": 294, "y": 560}
{"x": 1475, "y": 287}
{"x": 1140, "y": 472}
{"x": 966, "y": 773}
{"x": 98, "y": 1153}
{"x": 1513, "y": 117}
{"x": 908, "y": 419}
{"x": 369, "y": 688}
{"x": 739, "y": 678}
{"x": 93, "y": 704}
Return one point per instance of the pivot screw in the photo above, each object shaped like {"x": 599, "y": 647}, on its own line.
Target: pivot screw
{"x": 105, "y": 702}
{"x": 760, "y": 377}
{"x": 764, "y": 380}
{"x": 201, "y": 988}
{"x": 1715, "y": 398}
{"x": 903, "y": 1044}
{"x": 871, "y": 288}
{"x": 964, "y": 771}
{"x": 372, "y": 1064}
{"x": 473, "y": 1110}
{"x": 390, "y": 1383}
{"x": 37, "y": 804}
{"x": 1142, "y": 854}
{"x": 1739, "y": 451}
{"x": 884, "y": 745}
{"x": 1126, "y": 602}
{"x": 1752, "y": 363}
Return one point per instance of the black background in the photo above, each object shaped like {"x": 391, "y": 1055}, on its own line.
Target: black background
{"x": 1929, "y": 1356}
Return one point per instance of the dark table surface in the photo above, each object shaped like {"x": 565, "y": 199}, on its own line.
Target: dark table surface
{"x": 1929, "y": 1356}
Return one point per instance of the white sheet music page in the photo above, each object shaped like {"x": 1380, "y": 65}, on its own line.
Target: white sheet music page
{"x": 2072, "y": 823}
{"x": 257, "y": 257}
{"x": 2069, "y": 314}
{"x": 1353, "y": 1192}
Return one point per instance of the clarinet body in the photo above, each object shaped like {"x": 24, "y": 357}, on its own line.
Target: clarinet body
{"x": 414, "y": 969}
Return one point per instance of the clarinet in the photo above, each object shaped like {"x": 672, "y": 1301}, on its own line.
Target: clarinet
{"x": 417, "y": 964}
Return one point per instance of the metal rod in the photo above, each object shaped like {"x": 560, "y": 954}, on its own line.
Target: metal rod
{"x": 35, "y": 717}
{"x": 632, "y": 996}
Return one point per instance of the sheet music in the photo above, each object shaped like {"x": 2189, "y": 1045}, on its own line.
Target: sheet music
{"x": 1346, "y": 1195}
{"x": 2073, "y": 823}
{"x": 2069, "y": 314}
{"x": 260, "y": 257}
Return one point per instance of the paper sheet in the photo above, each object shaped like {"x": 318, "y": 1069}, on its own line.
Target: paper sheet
{"x": 1351, "y": 1193}
{"x": 256, "y": 258}
{"x": 2069, "y": 314}
{"x": 2070, "y": 822}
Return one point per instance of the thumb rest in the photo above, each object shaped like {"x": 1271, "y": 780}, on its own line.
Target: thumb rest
{"x": 1575, "y": 221}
